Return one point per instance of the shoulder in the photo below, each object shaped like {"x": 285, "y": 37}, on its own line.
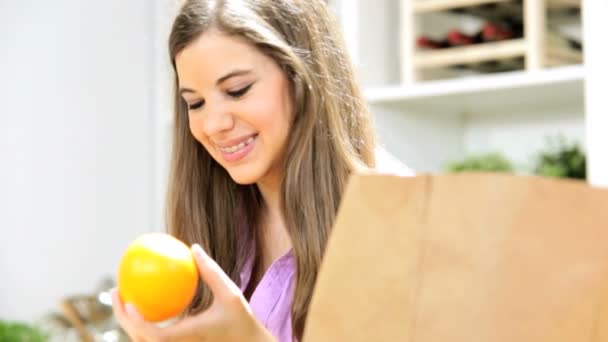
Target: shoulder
{"x": 386, "y": 163}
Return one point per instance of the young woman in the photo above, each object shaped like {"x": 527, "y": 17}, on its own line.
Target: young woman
{"x": 269, "y": 124}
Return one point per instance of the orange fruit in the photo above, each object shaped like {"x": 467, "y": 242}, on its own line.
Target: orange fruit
{"x": 158, "y": 275}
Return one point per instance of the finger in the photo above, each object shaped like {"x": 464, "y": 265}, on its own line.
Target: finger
{"x": 212, "y": 274}
{"x": 121, "y": 315}
{"x": 187, "y": 328}
{"x": 117, "y": 307}
{"x": 145, "y": 330}
{"x": 131, "y": 320}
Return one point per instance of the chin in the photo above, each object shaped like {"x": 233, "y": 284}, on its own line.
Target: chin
{"x": 244, "y": 178}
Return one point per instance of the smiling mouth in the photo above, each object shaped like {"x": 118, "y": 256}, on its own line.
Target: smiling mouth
{"x": 237, "y": 147}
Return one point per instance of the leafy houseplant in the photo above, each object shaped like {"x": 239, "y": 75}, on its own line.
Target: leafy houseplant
{"x": 21, "y": 332}
{"x": 491, "y": 162}
{"x": 562, "y": 159}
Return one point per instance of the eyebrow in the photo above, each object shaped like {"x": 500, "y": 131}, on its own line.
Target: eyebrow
{"x": 219, "y": 80}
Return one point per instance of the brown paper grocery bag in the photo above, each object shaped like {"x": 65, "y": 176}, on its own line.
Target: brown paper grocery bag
{"x": 465, "y": 257}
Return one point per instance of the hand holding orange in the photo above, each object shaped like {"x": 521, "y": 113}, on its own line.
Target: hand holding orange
{"x": 157, "y": 278}
{"x": 158, "y": 275}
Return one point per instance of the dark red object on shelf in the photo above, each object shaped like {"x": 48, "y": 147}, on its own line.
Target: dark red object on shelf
{"x": 492, "y": 32}
{"x": 457, "y": 38}
{"x": 428, "y": 43}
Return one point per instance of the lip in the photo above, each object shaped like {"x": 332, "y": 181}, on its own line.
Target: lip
{"x": 238, "y": 155}
{"x": 232, "y": 142}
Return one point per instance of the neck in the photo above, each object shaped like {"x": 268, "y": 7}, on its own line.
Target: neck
{"x": 269, "y": 189}
{"x": 273, "y": 237}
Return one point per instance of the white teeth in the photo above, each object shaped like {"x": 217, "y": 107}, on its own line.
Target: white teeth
{"x": 235, "y": 148}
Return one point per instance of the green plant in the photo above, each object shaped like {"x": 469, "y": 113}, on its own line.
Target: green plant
{"x": 492, "y": 162}
{"x": 561, "y": 159}
{"x": 20, "y": 332}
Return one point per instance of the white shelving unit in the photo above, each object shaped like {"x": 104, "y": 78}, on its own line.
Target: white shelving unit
{"x": 553, "y": 87}
{"x": 534, "y": 46}
{"x": 427, "y": 124}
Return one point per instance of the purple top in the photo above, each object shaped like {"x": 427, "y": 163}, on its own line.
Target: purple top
{"x": 271, "y": 299}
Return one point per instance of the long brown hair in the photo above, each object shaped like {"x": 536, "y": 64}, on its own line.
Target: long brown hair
{"x": 331, "y": 135}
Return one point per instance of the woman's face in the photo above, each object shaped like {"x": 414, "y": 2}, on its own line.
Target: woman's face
{"x": 239, "y": 105}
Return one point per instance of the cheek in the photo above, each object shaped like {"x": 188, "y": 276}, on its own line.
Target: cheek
{"x": 272, "y": 118}
{"x": 271, "y": 125}
{"x": 194, "y": 127}
{"x": 196, "y": 130}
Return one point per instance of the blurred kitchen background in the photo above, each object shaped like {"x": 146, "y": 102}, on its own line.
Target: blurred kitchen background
{"x": 85, "y": 120}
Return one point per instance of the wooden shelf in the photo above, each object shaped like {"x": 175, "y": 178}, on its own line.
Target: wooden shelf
{"x": 421, "y": 6}
{"x": 563, "y": 3}
{"x": 554, "y": 87}
{"x": 561, "y": 55}
{"x": 426, "y": 6}
{"x": 470, "y": 54}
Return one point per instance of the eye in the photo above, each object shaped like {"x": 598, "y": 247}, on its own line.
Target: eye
{"x": 196, "y": 105}
{"x": 240, "y": 92}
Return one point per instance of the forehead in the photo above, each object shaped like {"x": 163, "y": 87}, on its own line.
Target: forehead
{"x": 213, "y": 55}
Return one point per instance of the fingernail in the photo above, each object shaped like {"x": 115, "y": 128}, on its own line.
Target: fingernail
{"x": 198, "y": 250}
{"x": 109, "y": 300}
{"x": 131, "y": 310}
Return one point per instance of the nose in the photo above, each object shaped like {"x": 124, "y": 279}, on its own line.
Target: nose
{"x": 216, "y": 118}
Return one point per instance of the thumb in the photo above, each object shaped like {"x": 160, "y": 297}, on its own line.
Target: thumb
{"x": 212, "y": 274}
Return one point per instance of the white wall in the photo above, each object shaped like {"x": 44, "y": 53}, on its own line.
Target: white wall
{"x": 378, "y": 48}
{"x": 423, "y": 142}
{"x": 163, "y": 13}
{"x": 428, "y": 141}
{"x": 596, "y": 95}
{"x": 520, "y": 135}
{"x": 76, "y": 145}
